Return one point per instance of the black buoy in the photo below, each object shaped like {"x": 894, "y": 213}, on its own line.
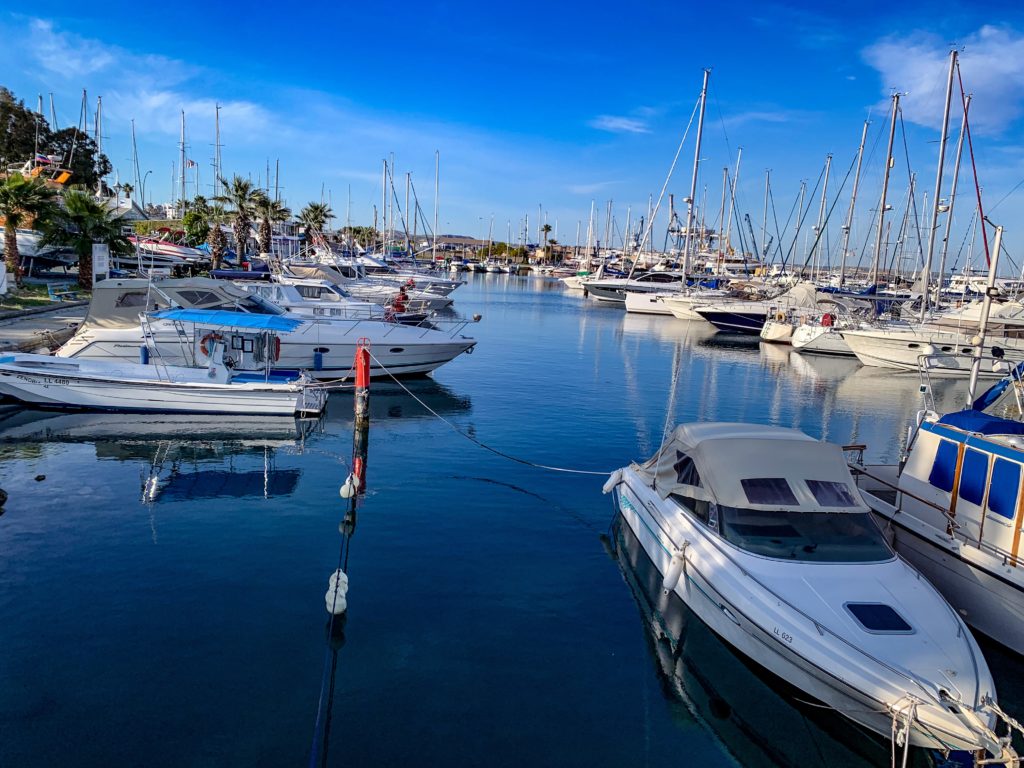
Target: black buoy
{"x": 40, "y": 478}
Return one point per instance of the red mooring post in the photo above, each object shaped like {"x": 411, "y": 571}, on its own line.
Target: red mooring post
{"x": 361, "y": 405}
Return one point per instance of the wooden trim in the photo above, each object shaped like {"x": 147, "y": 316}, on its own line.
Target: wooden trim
{"x": 955, "y": 492}
{"x": 1018, "y": 523}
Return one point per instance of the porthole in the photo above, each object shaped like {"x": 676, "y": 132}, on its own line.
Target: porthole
{"x": 913, "y": 346}
{"x": 396, "y": 350}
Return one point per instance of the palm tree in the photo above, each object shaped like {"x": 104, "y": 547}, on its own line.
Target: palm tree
{"x": 82, "y": 222}
{"x": 215, "y": 237}
{"x": 241, "y": 195}
{"x": 20, "y": 199}
{"x": 314, "y": 217}
{"x": 269, "y": 211}
{"x": 127, "y": 189}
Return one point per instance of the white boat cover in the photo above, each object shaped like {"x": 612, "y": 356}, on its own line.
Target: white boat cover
{"x": 726, "y": 454}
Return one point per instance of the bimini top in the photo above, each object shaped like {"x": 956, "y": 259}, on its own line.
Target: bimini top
{"x": 227, "y": 319}
{"x": 753, "y": 467}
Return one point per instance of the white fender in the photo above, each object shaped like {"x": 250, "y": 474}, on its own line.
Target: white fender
{"x": 674, "y": 571}
{"x": 337, "y": 590}
{"x": 613, "y": 480}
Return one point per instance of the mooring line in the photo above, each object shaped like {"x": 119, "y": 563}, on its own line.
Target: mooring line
{"x": 495, "y": 451}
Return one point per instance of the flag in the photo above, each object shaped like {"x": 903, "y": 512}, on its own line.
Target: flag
{"x": 42, "y": 159}
{"x": 190, "y": 163}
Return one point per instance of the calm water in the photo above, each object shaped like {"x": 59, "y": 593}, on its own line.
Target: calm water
{"x": 162, "y": 579}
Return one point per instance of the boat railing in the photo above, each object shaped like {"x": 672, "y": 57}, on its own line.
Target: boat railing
{"x": 953, "y": 528}
{"x": 929, "y": 362}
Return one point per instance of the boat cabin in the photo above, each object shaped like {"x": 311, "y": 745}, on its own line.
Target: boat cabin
{"x": 768, "y": 491}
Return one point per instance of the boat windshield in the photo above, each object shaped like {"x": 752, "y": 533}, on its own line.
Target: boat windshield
{"x": 258, "y": 305}
{"x": 817, "y": 537}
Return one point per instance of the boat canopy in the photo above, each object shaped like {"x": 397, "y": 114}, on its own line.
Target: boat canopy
{"x": 228, "y": 319}
{"x": 982, "y": 423}
{"x": 752, "y": 466}
{"x": 118, "y": 303}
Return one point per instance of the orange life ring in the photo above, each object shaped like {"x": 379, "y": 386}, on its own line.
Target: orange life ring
{"x": 209, "y": 337}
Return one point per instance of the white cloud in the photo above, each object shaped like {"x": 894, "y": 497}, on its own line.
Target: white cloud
{"x": 763, "y": 116}
{"x": 591, "y": 188}
{"x": 992, "y": 67}
{"x": 619, "y": 124}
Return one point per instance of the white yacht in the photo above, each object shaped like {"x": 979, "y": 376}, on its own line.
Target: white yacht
{"x": 324, "y": 346}
{"x": 762, "y": 532}
{"x": 956, "y": 508}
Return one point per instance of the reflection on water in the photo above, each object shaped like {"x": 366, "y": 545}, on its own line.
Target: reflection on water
{"x": 758, "y": 718}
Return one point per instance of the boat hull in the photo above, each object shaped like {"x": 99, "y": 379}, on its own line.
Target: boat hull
{"x": 820, "y": 340}
{"x": 777, "y": 332}
{"x": 735, "y": 321}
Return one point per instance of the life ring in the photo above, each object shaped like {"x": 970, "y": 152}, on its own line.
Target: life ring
{"x": 780, "y": 316}
{"x": 209, "y": 337}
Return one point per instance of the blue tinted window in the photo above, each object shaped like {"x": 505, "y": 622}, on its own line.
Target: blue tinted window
{"x": 768, "y": 490}
{"x": 830, "y": 493}
{"x": 1002, "y": 493}
{"x": 973, "y": 476}
{"x": 878, "y": 617}
{"x": 944, "y": 466}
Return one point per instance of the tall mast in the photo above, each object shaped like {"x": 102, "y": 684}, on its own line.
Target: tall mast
{"x": 99, "y": 140}
{"x": 721, "y": 212}
{"x": 437, "y": 174}
{"x": 952, "y": 192}
{"x": 732, "y": 197}
{"x": 383, "y": 206}
{"x": 135, "y": 158}
{"x": 39, "y": 121}
{"x": 53, "y": 114}
{"x": 934, "y": 225}
{"x": 277, "y": 179}
{"x": 693, "y": 179}
{"x": 181, "y": 166}
{"x": 217, "y": 170}
{"x": 853, "y": 202}
{"x": 764, "y": 221}
{"x": 885, "y": 190}
{"x": 408, "y": 182}
{"x": 821, "y": 218}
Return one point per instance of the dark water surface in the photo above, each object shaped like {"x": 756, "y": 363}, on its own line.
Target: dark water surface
{"x": 162, "y": 589}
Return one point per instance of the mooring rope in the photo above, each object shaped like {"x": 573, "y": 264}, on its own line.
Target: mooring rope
{"x": 480, "y": 444}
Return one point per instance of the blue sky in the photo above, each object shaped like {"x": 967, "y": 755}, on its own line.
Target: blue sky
{"x": 534, "y": 104}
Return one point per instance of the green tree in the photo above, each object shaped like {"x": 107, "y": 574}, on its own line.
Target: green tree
{"x": 18, "y": 128}
{"x": 215, "y": 237}
{"x": 196, "y": 225}
{"x": 127, "y": 189}
{"x": 20, "y": 200}
{"x": 81, "y": 222}
{"x": 241, "y": 195}
{"x": 270, "y": 212}
{"x": 314, "y": 217}
{"x": 86, "y": 163}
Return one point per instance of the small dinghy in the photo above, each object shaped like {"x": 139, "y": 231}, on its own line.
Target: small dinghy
{"x": 116, "y": 385}
{"x": 762, "y": 532}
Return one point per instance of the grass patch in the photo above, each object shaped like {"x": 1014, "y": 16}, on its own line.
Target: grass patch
{"x": 32, "y": 295}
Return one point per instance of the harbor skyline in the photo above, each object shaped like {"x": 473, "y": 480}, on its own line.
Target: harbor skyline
{"x": 540, "y": 114}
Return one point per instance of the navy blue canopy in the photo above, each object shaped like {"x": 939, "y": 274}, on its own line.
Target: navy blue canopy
{"x": 982, "y": 423}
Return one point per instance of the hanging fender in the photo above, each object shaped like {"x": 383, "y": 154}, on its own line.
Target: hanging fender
{"x": 675, "y": 569}
{"x": 611, "y": 482}
{"x": 277, "y": 348}
{"x": 206, "y": 339}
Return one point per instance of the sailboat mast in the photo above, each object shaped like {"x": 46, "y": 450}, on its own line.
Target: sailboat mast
{"x": 408, "y": 183}
{"x": 383, "y": 206}
{"x": 181, "y": 165}
{"x": 847, "y": 226}
{"x": 217, "y": 171}
{"x": 732, "y": 198}
{"x": 934, "y": 225}
{"x": 764, "y": 221}
{"x": 821, "y": 218}
{"x": 885, "y": 190}
{"x": 693, "y": 179}
{"x": 952, "y": 192}
{"x": 99, "y": 140}
{"x": 437, "y": 173}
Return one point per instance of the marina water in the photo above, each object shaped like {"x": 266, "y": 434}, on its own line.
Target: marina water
{"x": 162, "y": 578}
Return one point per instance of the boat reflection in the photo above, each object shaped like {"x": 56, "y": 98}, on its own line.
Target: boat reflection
{"x": 757, "y": 717}
{"x": 389, "y": 401}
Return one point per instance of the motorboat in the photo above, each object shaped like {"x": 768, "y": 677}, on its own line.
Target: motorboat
{"x": 115, "y": 385}
{"x": 613, "y": 290}
{"x": 901, "y": 347}
{"x": 762, "y": 533}
{"x": 749, "y": 317}
{"x": 955, "y": 506}
{"x": 319, "y": 298}
{"x": 377, "y": 290}
{"x": 323, "y": 346}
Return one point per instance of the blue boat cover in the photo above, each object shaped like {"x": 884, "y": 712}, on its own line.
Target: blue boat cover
{"x": 227, "y": 319}
{"x": 992, "y": 394}
{"x": 982, "y": 423}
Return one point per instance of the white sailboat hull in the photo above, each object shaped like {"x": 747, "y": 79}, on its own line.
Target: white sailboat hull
{"x": 647, "y": 304}
{"x": 777, "y": 332}
{"x": 903, "y": 349}
{"x": 823, "y": 340}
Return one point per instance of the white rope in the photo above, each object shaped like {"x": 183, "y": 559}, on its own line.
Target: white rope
{"x": 480, "y": 444}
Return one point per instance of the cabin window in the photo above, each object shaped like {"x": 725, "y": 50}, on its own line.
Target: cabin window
{"x": 133, "y": 299}
{"x": 197, "y": 298}
{"x": 309, "y": 291}
{"x": 697, "y": 507}
{"x": 1002, "y": 491}
{"x": 974, "y": 476}
{"x": 686, "y": 471}
{"x": 944, "y": 467}
{"x": 768, "y": 490}
{"x": 829, "y": 493}
{"x": 879, "y": 618}
{"x": 817, "y": 537}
